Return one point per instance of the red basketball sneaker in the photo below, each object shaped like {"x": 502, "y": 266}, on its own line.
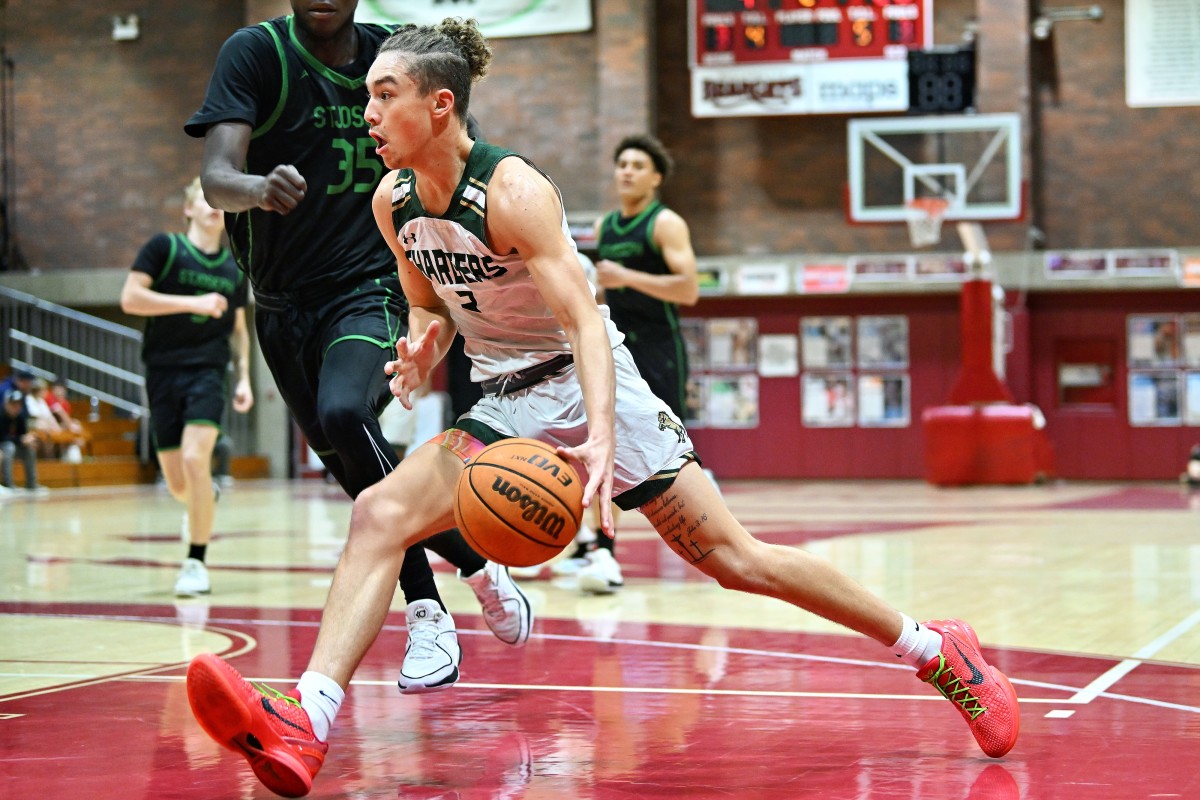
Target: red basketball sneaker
{"x": 983, "y": 695}
{"x": 268, "y": 728}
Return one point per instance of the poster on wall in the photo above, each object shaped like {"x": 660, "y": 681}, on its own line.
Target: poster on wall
{"x": 1145, "y": 262}
{"x": 731, "y": 401}
{"x": 1191, "y": 339}
{"x": 732, "y": 343}
{"x": 827, "y": 400}
{"x": 883, "y": 401}
{"x": 778, "y": 355}
{"x": 881, "y": 268}
{"x": 1161, "y": 68}
{"x": 1191, "y": 394}
{"x": 1154, "y": 398}
{"x": 826, "y": 342}
{"x": 883, "y": 341}
{"x": 695, "y": 339}
{"x": 496, "y": 18}
{"x": 1153, "y": 340}
{"x": 1080, "y": 264}
{"x": 693, "y": 411}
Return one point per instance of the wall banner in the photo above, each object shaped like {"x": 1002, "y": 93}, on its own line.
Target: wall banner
{"x": 496, "y": 18}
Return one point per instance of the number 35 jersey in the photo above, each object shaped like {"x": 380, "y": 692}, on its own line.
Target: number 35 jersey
{"x": 506, "y": 324}
{"x": 306, "y": 114}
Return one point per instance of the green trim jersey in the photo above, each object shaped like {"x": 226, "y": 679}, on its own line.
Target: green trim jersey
{"x": 505, "y": 322}
{"x": 308, "y": 115}
{"x": 629, "y": 241}
{"x": 176, "y": 266}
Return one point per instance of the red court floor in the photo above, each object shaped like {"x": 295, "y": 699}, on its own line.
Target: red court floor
{"x": 606, "y": 701}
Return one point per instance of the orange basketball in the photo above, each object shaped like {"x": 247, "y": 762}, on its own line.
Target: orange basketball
{"x": 518, "y": 503}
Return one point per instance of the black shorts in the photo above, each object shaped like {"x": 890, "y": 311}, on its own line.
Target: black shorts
{"x": 184, "y": 396}
{"x": 661, "y": 357}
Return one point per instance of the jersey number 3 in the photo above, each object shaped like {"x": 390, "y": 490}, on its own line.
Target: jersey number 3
{"x": 469, "y": 301}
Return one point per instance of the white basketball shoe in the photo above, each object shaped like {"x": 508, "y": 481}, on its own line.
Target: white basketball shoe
{"x": 432, "y": 655}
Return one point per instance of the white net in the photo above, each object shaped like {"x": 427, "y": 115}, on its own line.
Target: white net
{"x": 925, "y": 220}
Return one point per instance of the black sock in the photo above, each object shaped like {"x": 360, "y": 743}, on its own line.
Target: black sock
{"x": 451, "y": 545}
{"x": 197, "y": 551}
{"x": 604, "y": 541}
{"x": 416, "y": 578}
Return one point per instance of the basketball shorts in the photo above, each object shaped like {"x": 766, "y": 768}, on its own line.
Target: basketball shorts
{"x": 650, "y": 439}
{"x": 661, "y": 357}
{"x": 184, "y": 396}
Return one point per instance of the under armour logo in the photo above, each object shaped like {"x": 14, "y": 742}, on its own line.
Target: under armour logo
{"x": 409, "y": 238}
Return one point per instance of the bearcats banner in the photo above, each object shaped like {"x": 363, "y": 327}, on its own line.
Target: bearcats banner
{"x": 496, "y": 18}
{"x": 827, "y": 87}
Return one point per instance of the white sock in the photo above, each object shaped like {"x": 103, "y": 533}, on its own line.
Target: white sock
{"x": 320, "y": 697}
{"x": 917, "y": 644}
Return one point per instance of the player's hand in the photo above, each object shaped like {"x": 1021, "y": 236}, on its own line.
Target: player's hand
{"x": 609, "y": 274}
{"x": 243, "y": 397}
{"x": 414, "y": 362}
{"x": 596, "y": 458}
{"x": 211, "y": 305}
{"x": 282, "y": 189}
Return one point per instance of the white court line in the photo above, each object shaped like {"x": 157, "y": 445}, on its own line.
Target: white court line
{"x": 588, "y": 689}
{"x": 1102, "y": 683}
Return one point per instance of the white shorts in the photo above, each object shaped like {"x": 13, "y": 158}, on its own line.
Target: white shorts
{"x": 649, "y": 438}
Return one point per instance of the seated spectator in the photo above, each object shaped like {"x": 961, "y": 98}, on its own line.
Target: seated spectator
{"x": 54, "y": 438}
{"x": 16, "y": 439}
{"x": 59, "y": 401}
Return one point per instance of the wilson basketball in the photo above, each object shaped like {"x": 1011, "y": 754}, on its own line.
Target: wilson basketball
{"x": 518, "y": 502}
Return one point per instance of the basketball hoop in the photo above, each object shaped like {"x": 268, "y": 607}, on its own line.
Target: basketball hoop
{"x": 925, "y": 220}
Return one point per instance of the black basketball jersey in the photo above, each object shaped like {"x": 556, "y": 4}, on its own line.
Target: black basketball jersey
{"x": 311, "y": 116}
{"x": 176, "y": 266}
{"x": 630, "y": 242}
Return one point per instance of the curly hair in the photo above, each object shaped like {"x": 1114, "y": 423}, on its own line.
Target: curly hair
{"x": 651, "y": 147}
{"x": 450, "y": 55}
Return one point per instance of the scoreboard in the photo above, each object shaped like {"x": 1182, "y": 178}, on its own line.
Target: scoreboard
{"x": 768, "y": 57}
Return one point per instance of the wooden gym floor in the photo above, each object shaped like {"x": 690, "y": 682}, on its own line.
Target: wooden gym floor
{"x": 1087, "y": 595}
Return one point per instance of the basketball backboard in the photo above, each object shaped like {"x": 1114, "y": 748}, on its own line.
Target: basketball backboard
{"x": 971, "y": 161}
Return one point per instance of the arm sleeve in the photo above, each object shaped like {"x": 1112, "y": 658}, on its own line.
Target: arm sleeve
{"x": 236, "y": 88}
{"x": 153, "y": 256}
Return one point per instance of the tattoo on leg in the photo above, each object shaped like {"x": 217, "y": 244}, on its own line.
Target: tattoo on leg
{"x": 667, "y": 514}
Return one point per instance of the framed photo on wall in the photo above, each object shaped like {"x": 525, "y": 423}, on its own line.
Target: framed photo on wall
{"x": 826, "y": 342}
{"x": 1191, "y": 396}
{"x": 1190, "y": 324}
{"x": 731, "y": 401}
{"x": 883, "y": 341}
{"x": 883, "y": 401}
{"x": 733, "y": 343}
{"x": 827, "y": 400}
{"x": 1153, "y": 340}
{"x": 1155, "y": 398}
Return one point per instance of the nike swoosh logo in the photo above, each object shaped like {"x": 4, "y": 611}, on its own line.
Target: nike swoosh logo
{"x": 270, "y": 709}
{"x": 976, "y": 675}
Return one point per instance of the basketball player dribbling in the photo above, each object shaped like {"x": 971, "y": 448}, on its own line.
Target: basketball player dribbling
{"x": 328, "y": 305}
{"x": 482, "y": 246}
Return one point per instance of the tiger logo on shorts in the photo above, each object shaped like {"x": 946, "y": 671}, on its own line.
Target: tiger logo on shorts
{"x": 665, "y": 422}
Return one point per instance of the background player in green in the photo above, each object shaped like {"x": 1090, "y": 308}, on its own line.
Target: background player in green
{"x": 194, "y": 296}
{"x": 646, "y": 268}
{"x": 287, "y": 155}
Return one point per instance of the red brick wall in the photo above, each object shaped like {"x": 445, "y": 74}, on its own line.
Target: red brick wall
{"x": 101, "y": 158}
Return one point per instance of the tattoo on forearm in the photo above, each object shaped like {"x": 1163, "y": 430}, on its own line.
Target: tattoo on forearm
{"x": 668, "y": 516}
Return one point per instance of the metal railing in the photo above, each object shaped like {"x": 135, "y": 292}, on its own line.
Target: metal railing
{"x": 101, "y": 359}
